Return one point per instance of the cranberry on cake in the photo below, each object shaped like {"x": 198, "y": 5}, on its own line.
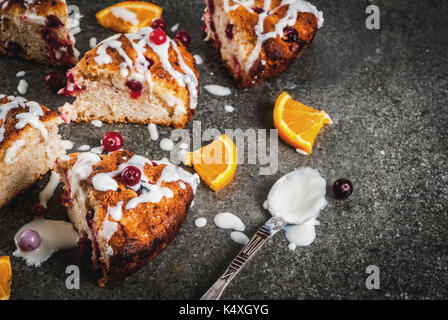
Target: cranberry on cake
{"x": 259, "y": 39}
{"x": 29, "y": 144}
{"x": 125, "y": 207}
{"x": 37, "y": 30}
{"x": 142, "y": 77}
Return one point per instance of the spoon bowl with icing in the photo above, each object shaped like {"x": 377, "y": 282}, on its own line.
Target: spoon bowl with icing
{"x": 296, "y": 199}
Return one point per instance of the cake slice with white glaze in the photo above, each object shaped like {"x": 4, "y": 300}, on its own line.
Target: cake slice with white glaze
{"x": 125, "y": 207}
{"x": 259, "y": 39}
{"x": 37, "y": 30}
{"x": 29, "y": 144}
{"x": 142, "y": 77}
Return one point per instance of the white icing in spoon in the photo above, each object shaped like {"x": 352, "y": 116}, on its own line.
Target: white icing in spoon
{"x": 55, "y": 235}
{"x": 297, "y": 198}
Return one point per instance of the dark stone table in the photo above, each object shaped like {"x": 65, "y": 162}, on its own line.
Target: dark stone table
{"x": 386, "y": 91}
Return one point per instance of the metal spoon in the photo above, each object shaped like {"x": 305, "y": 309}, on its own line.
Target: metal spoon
{"x": 265, "y": 232}
{"x": 271, "y": 227}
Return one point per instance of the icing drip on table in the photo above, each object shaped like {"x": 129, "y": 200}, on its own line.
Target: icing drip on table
{"x": 290, "y": 18}
{"x": 141, "y": 69}
{"x": 55, "y": 235}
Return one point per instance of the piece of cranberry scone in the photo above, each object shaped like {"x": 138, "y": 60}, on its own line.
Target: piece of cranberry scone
{"x": 37, "y": 30}
{"x": 259, "y": 39}
{"x": 125, "y": 207}
{"x": 29, "y": 144}
{"x": 142, "y": 77}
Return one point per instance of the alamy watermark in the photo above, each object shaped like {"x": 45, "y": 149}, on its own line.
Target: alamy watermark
{"x": 254, "y": 146}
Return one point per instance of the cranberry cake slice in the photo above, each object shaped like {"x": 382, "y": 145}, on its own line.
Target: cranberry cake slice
{"x": 259, "y": 39}
{"x": 37, "y": 30}
{"x": 142, "y": 77}
{"x": 29, "y": 144}
{"x": 125, "y": 207}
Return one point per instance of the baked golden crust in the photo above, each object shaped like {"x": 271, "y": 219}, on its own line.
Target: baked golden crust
{"x": 276, "y": 54}
{"x": 39, "y": 7}
{"x": 162, "y": 76}
{"x": 142, "y": 232}
{"x": 11, "y": 133}
{"x": 91, "y": 70}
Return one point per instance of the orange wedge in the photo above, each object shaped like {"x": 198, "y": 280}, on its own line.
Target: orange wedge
{"x": 5, "y": 278}
{"x": 215, "y": 163}
{"x": 297, "y": 124}
{"x": 128, "y": 16}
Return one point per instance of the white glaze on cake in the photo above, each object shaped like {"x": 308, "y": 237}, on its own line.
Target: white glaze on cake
{"x": 139, "y": 70}
{"x": 290, "y": 18}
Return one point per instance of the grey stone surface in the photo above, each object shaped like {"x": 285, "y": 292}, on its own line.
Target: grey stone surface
{"x": 386, "y": 91}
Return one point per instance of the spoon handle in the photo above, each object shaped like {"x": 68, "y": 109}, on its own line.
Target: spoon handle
{"x": 271, "y": 227}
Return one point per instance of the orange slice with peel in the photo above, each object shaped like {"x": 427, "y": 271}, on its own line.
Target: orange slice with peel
{"x": 5, "y": 278}
{"x": 215, "y": 163}
{"x": 297, "y": 124}
{"x": 128, "y": 16}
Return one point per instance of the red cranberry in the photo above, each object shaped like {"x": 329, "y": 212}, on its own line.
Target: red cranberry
{"x": 229, "y": 31}
{"x": 159, "y": 24}
{"x": 29, "y": 240}
{"x": 258, "y": 10}
{"x": 37, "y": 210}
{"x": 131, "y": 175}
{"x": 84, "y": 245}
{"x": 154, "y": 164}
{"x": 66, "y": 200}
{"x": 112, "y": 141}
{"x": 158, "y": 37}
{"x": 53, "y": 22}
{"x": 342, "y": 188}
{"x": 89, "y": 217}
{"x": 290, "y": 34}
{"x": 55, "y": 81}
{"x": 184, "y": 37}
{"x": 150, "y": 62}
{"x": 136, "y": 88}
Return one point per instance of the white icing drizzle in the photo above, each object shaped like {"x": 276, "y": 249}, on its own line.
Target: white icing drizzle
{"x": 200, "y": 222}
{"x": 155, "y": 192}
{"x": 175, "y": 27}
{"x": 97, "y": 123}
{"x": 166, "y": 144}
{"x": 139, "y": 70}
{"x": 290, "y": 18}
{"x": 84, "y": 147}
{"x": 49, "y": 189}
{"x": 22, "y": 87}
{"x": 104, "y": 182}
{"x": 81, "y": 170}
{"x": 239, "y": 237}
{"x": 153, "y": 133}
{"x": 66, "y": 144}
{"x": 11, "y": 152}
{"x": 227, "y": 220}
{"x": 217, "y": 90}
{"x": 31, "y": 117}
{"x": 55, "y": 235}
